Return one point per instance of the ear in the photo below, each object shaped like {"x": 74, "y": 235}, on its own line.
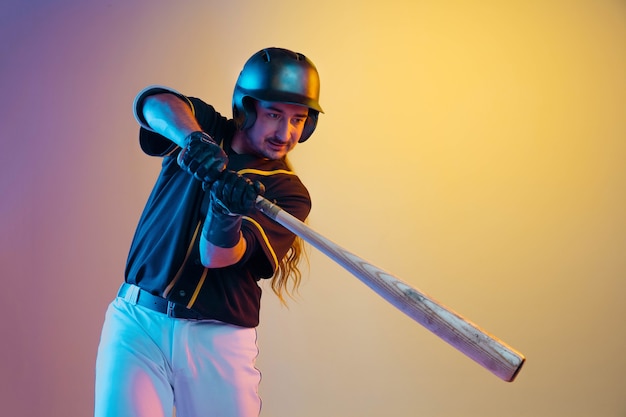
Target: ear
{"x": 309, "y": 125}
{"x": 248, "y": 116}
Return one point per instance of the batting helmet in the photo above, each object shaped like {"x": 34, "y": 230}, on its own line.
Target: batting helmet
{"x": 280, "y": 75}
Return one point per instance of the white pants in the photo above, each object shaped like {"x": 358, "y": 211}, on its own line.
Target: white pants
{"x": 149, "y": 363}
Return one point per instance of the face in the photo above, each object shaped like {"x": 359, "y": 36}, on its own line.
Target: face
{"x": 276, "y": 130}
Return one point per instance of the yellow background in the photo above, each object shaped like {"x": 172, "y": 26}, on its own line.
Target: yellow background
{"x": 475, "y": 149}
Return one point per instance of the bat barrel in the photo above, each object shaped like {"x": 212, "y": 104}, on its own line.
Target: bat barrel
{"x": 485, "y": 349}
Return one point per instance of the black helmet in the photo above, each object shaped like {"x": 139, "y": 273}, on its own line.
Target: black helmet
{"x": 280, "y": 75}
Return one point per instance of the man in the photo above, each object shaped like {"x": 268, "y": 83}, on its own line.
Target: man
{"x": 182, "y": 331}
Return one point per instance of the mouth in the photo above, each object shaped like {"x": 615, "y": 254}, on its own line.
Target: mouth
{"x": 276, "y": 146}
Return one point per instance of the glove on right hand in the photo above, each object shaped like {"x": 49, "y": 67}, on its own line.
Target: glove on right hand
{"x": 202, "y": 157}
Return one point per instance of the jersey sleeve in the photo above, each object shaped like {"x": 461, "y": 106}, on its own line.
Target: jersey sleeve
{"x": 151, "y": 142}
{"x": 272, "y": 241}
{"x": 155, "y": 144}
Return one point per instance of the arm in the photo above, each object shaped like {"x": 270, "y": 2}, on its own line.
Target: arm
{"x": 214, "y": 255}
{"x": 170, "y": 116}
{"x": 222, "y": 243}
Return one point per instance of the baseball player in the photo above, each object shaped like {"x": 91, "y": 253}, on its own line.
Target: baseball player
{"x": 181, "y": 333}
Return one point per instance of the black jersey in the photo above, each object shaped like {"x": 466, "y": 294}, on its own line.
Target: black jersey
{"x": 164, "y": 256}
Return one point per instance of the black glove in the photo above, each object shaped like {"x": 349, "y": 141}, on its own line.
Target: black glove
{"x": 231, "y": 196}
{"x": 233, "y": 193}
{"x": 202, "y": 157}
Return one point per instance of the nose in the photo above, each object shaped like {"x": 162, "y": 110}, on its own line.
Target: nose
{"x": 284, "y": 130}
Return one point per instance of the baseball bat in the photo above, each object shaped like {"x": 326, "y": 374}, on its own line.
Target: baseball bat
{"x": 485, "y": 349}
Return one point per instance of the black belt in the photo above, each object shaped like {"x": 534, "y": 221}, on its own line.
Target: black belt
{"x": 136, "y": 295}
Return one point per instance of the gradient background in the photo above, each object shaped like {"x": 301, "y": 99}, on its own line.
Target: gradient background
{"x": 476, "y": 149}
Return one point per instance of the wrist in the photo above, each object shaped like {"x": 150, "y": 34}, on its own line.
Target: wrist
{"x": 220, "y": 228}
{"x": 199, "y": 135}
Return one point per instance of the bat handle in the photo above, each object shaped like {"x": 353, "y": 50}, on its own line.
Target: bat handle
{"x": 268, "y": 208}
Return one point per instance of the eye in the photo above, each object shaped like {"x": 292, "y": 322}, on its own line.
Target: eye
{"x": 298, "y": 120}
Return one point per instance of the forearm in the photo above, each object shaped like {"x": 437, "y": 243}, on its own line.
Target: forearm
{"x": 213, "y": 256}
{"x": 170, "y": 117}
{"x": 222, "y": 243}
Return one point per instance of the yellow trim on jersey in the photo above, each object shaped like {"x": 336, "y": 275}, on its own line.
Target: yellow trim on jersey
{"x": 265, "y": 239}
{"x": 198, "y": 287}
{"x": 193, "y": 109}
{"x": 180, "y": 271}
{"x": 265, "y": 173}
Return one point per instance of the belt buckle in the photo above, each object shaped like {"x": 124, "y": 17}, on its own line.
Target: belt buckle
{"x": 170, "y": 309}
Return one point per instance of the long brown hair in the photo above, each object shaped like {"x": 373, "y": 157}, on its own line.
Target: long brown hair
{"x": 288, "y": 269}
{"x": 288, "y": 276}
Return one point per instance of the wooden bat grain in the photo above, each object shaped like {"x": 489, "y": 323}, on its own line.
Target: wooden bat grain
{"x": 484, "y": 348}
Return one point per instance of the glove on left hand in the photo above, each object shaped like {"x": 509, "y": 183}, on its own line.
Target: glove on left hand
{"x": 231, "y": 195}
{"x": 234, "y": 193}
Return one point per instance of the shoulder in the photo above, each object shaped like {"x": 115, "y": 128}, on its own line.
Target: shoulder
{"x": 282, "y": 184}
{"x": 272, "y": 173}
{"x": 211, "y": 121}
